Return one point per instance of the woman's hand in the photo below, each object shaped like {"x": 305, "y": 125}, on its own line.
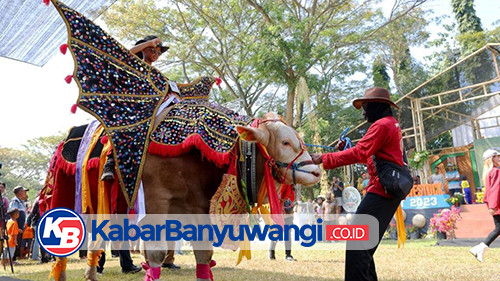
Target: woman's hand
{"x": 491, "y": 211}
{"x": 317, "y": 158}
{"x": 340, "y": 145}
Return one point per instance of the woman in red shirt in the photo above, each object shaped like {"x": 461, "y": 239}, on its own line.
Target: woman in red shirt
{"x": 384, "y": 140}
{"x": 491, "y": 178}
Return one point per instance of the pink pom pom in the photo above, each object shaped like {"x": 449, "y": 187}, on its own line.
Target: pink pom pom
{"x": 73, "y": 108}
{"x": 46, "y": 2}
{"x": 218, "y": 81}
{"x": 63, "y": 48}
{"x": 104, "y": 139}
{"x": 68, "y": 78}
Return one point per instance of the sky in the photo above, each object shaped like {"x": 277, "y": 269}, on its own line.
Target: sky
{"x": 36, "y": 101}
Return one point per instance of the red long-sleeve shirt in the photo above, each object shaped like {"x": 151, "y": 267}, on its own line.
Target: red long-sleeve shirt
{"x": 492, "y": 192}
{"x": 383, "y": 139}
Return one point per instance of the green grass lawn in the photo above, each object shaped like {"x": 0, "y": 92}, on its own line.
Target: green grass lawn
{"x": 419, "y": 260}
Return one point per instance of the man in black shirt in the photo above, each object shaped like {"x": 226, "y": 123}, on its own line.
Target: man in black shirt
{"x": 338, "y": 187}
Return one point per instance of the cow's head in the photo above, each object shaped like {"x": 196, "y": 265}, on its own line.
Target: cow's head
{"x": 284, "y": 146}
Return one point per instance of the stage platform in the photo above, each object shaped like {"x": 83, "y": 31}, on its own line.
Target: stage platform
{"x": 475, "y": 222}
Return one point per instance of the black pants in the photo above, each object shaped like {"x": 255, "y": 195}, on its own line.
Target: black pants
{"x": 125, "y": 259}
{"x": 126, "y": 262}
{"x": 495, "y": 233}
{"x": 288, "y": 242}
{"x": 359, "y": 264}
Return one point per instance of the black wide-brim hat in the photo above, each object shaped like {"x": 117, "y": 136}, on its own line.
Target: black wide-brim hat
{"x": 375, "y": 94}
{"x": 163, "y": 49}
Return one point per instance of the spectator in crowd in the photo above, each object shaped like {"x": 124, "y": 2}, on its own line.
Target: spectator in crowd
{"x": 338, "y": 187}
{"x": 328, "y": 212}
{"x": 19, "y": 202}
{"x": 13, "y": 232}
{"x": 288, "y": 216}
{"x": 491, "y": 178}
{"x": 366, "y": 181}
{"x": 437, "y": 177}
{"x": 168, "y": 261}
{"x": 27, "y": 240}
{"x": 416, "y": 180}
{"x": 4, "y": 198}
{"x": 32, "y": 221}
{"x": 465, "y": 185}
{"x": 126, "y": 262}
{"x": 318, "y": 207}
{"x": 311, "y": 214}
{"x": 359, "y": 185}
{"x": 453, "y": 179}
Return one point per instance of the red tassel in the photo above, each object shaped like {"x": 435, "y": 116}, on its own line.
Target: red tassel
{"x": 213, "y": 263}
{"x": 46, "y": 2}
{"x": 63, "y": 48}
{"x": 68, "y": 78}
{"x": 218, "y": 81}
{"x": 104, "y": 140}
{"x": 73, "y": 108}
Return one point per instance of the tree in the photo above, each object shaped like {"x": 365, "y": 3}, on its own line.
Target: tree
{"x": 380, "y": 76}
{"x": 393, "y": 49}
{"x": 469, "y": 25}
{"x": 212, "y": 37}
{"x": 28, "y": 166}
{"x": 303, "y": 35}
{"x": 254, "y": 44}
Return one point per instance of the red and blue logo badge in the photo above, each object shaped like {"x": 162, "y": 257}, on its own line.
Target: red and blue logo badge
{"x": 61, "y": 232}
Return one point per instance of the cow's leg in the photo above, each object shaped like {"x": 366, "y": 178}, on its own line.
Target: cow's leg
{"x": 92, "y": 261}
{"x": 204, "y": 263}
{"x": 152, "y": 266}
{"x": 59, "y": 269}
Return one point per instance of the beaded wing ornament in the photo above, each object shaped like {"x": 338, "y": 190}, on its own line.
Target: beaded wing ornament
{"x": 119, "y": 89}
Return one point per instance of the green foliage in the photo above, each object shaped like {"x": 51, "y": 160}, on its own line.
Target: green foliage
{"x": 418, "y": 159}
{"x": 380, "y": 76}
{"x": 259, "y": 46}
{"x": 442, "y": 141}
{"x": 392, "y": 47}
{"x": 28, "y": 167}
{"x": 465, "y": 14}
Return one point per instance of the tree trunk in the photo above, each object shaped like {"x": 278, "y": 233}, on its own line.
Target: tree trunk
{"x": 289, "y": 105}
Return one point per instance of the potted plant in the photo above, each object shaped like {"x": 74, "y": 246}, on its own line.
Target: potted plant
{"x": 393, "y": 233}
{"x": 456, "y": 199}
{"x": 413, "y": 232}
{"x": 444, "y": 221}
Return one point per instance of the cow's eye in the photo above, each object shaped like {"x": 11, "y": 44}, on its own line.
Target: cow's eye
{"x": 286, "y": 143}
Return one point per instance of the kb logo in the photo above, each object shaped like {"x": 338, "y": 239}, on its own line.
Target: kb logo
{"x": 61, "y": 232}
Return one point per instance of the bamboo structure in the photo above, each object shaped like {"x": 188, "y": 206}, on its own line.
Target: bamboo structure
{"x": 451, "y": 99}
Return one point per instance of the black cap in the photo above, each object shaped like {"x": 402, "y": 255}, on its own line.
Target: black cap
{"x": 163, "y": 49}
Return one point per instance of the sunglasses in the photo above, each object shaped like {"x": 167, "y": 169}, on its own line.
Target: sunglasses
{"x": 154, "y": 50}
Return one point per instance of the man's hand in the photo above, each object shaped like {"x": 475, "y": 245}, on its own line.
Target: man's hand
{"x": 155, "y": 42}
{"x": 317, "y": 158}
{"x": 492, "y": 211}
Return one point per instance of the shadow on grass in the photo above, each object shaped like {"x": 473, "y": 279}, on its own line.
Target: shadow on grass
{"x": 220, "y": 273}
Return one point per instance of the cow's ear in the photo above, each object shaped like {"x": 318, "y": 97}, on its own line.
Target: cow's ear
{"x": 251, "y": 134}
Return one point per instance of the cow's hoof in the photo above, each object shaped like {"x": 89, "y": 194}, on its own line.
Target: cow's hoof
{"x": 91, "y": 273}
{"x": 62, "y": 277}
